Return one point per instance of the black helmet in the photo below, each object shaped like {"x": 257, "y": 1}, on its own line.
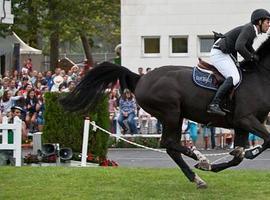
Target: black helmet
{"x": 259, "y": 14}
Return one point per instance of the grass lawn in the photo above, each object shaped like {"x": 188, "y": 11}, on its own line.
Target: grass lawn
{"x": 128, "y": 183}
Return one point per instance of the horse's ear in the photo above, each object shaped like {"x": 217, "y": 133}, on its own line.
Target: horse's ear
{"x": 217, "y": 36}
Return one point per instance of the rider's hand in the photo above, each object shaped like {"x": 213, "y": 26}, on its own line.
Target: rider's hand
{"x": 255, "y": 58}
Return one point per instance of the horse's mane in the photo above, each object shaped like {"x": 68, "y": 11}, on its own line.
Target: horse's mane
{"x": 262, "y": 51}
{"x": 264, "y": 48}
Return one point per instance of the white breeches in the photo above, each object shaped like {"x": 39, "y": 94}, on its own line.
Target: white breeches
{"x": 225, "y": 65}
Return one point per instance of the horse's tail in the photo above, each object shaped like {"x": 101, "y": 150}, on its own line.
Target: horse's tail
{"x": 95, "y": 82}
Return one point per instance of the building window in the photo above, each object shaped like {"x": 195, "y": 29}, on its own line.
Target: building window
{"x": 178, "y": 45}
{"x": 151, "y": 46}
{"x": 206, "y": 43}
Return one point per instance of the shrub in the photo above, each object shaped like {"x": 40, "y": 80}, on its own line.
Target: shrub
{"x": 66, "y": 128}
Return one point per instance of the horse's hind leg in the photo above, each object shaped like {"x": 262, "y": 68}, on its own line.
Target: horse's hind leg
{"x": 240, "y": 142}
{"x": 253, "y": 125}
{"x": 171, "y": 141}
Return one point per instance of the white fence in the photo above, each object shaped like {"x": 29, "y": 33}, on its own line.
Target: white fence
{"x": 16, "y": 145}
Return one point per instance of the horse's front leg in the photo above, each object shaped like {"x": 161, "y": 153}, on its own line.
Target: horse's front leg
{"x": 253, "y": 125}
{"x": 171, "y": 141}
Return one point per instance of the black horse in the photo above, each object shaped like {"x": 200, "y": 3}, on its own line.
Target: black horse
{"x": 169, "y": 94}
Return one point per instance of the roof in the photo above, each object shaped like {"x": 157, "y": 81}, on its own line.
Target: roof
{"x": 6, "y": 45}
{"x": 24, "y": 48}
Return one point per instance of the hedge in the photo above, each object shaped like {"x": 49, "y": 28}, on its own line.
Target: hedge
{"x": 66, "y": 128}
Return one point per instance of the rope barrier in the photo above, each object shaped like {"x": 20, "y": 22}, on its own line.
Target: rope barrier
{"x": 95, "y": 127}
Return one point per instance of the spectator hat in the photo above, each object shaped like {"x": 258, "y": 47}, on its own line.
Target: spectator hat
{"x": 18, "y": 108}
{"x": 58, "y": 80}
{"x": 126, "y": 91}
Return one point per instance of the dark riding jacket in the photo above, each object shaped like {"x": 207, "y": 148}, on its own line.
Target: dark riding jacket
{"x": 239, "y": 39}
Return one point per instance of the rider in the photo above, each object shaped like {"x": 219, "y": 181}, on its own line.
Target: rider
{"x": 224, "y": 52}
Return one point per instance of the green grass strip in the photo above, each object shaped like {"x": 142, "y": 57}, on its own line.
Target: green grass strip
{"x": 128, "y": 183}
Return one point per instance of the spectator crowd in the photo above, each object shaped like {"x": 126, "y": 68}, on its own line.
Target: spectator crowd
{"x": 24, "y": 92}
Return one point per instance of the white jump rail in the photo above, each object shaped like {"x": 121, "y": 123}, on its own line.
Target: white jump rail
{"x": 16, "y": 146}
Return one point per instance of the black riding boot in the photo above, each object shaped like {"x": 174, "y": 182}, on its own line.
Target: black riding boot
{"x": 214, "y": 106}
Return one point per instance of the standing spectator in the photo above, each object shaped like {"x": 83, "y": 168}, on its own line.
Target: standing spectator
{"x": 24, "y": 69}
{"x": 206, "y": 132}
{"x": 49, "y": 79}
{"x": 213, "y": 137}
{"x": 140, "y": 71}
{"x": 144, "y": 120}
{"x": 148, "y": 69}
{"x": 29, "y": 65}
{"x": 253, "y": 140}
{"x": 193, "y": 130}
{"x": 159, "y": 127}
{"x": 112, "y": 110}
{"x": 185, "y": 135}
{"x": 127, "y": 106}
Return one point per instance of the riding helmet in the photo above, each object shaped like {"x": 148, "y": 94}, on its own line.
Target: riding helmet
{"x": 259, "y": 14}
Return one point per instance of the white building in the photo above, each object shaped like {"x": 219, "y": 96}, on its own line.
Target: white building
{"x": 5, "y": 12}
{"x": 162, "y": 32}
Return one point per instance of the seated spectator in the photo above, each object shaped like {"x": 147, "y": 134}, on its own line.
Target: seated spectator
{"x": 7, "y": 101}
{"x": 20, "y": 103}
{"x": 40, "y": 108}
{"x": 58, "y": 80}
{"x": 31, "y": 111}
{"x": 127, "y": 108}
{"x": 17, "y": 111}
{"x": 70, "y": 86}
{"x": 12, "y": 87}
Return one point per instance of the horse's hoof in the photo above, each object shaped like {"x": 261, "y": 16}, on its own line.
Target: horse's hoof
{"x": 253, "y": 153}
{"x": 201, "y": 184}
{"x": 203, "y": 165}
{"x": 238, "y": 152}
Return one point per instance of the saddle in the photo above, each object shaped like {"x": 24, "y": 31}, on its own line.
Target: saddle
{"x": 206, "y": 66}
{"x": 207, "y": 76}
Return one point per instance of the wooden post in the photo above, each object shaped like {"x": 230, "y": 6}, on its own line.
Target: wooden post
{"x": 85, "y": 142}
{"x": 17, "y": 135}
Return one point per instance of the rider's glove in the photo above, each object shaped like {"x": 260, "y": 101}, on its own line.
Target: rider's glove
{"x": 255, "y": 58}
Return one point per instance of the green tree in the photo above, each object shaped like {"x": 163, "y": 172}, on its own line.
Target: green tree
{"x": 49, "y": 22}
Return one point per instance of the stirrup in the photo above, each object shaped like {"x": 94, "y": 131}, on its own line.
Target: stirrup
{"x": 215, "y": 109}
